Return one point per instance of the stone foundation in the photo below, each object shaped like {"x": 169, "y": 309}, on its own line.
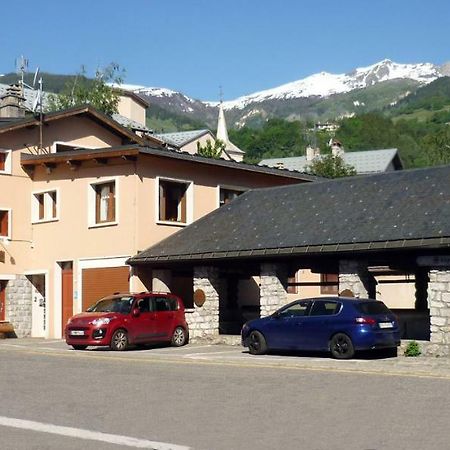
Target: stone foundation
{"x": 439, "y": 300}
{"x": 203, "y": 321}
{"x": 354, "y": 276}
{"x": 273, "y": 288}
{"x": 19, "y": 305}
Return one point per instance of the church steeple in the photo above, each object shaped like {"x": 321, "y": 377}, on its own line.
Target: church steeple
{"x": 231, "y": 151}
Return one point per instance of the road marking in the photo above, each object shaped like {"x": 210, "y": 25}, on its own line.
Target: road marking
{"x": 80, "y": 433}
{"x": 388, "y": 371}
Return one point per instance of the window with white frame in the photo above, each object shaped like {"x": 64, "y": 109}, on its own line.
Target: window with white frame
{"x": 45, "y": 206}
{"x": 5, "y": 224}
{"x": 103, "y": 203}
{"x": 173, "y": 201}
{"x": 5, "y": 161}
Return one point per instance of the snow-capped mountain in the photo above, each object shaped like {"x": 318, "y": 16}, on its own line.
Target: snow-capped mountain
{"x": 324, "y": 84}
{"x": 291, "y": 99}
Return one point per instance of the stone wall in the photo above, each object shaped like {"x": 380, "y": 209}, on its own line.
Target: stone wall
{"x": 203, "y": 321}
{"x": 439, "y": 301}
{"x": 354, "y": 276}
{"x": 273, "y": 288}
{"x": 19, "y": 305}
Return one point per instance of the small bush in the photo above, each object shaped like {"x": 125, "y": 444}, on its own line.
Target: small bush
{"x": 412, "y": 349}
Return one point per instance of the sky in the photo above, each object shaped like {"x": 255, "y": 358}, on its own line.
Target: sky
{"x": 244, "y": 46}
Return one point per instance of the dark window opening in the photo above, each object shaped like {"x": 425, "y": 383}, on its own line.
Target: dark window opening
{"x": 172, "y": 201}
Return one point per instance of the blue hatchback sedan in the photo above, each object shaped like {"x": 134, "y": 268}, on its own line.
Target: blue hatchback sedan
{"x": 340, "y": 325}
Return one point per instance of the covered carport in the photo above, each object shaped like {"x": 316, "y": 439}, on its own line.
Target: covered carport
{"x": 394, "y": 222}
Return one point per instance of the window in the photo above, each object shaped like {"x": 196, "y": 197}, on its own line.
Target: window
{"x": 4, "y": 223}
{"x": 291, "y": 288}
{"x": 173, "y": 201}
{"x": 226, "y": 195}
{"x": 105, "y": 202}
{"x": 163, "y": 304}
{"x": 324, "y": 308}
{"x": 44, "y": 206}
{"x": 296, "y": 310}
{"x": 330, "y": 284}
{"x": 5, "y": 161}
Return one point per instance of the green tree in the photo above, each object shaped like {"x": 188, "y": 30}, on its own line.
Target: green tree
{"x": 437, "y": 147}
{"x": 96, "y": 92}
{"x": 209, "y": 150}
{"x": 331, "y": 166}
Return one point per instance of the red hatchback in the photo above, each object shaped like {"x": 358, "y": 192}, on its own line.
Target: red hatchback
{"x": 121, "y": 320}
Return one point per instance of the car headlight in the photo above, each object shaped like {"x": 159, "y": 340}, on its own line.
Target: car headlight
{"x": 101, "y": 321}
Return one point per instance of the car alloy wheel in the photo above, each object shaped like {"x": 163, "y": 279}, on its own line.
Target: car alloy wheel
{"x": 257, "y": 343}
{"x": 179, "y": 337}
{"x": 341, "y": 346}
{"x": 119, "y": 341}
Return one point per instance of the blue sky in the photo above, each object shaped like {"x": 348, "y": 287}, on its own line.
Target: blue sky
{"x": 194, "y": 46}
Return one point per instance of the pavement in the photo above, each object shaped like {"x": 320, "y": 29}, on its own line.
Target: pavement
{"x": 232, "y": 355}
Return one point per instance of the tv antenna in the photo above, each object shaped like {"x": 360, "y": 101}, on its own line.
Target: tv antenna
{"x": 21, "y": 68}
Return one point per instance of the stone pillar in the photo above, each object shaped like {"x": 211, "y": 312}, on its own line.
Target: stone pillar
{"x": 439, "y": 298}
{"x": 161, "y": 280}
{"x": 354, "y": 276}
{"x": 273, "y": 288}
{"x": 19, "y": 305}
{"x": 204, "y": 320}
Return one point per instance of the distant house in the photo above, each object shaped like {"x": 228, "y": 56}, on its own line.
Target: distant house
{"x": 187, "y": 140}
{"x": 365, "y": 162}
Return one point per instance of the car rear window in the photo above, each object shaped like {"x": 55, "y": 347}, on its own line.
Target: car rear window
{"x": 371, "y": 308}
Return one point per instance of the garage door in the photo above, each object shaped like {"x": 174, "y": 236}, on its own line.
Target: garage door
{"x": 98, "y": 283}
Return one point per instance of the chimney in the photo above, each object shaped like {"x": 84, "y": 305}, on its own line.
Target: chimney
{"x": 311, "y": 153}
{"x": 11, "y": 103}
{"x": 337, "y": 149}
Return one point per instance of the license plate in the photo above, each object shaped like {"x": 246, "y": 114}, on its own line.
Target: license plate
{"x": 77, "y": 333}
{"x": 385, "y": 325}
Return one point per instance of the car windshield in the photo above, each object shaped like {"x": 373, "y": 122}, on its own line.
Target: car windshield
{"x": 114, "y": 304}
{"x": 371, "y": 308}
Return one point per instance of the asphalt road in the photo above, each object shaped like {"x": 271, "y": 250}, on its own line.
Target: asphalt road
{"x": 55, "y": 398}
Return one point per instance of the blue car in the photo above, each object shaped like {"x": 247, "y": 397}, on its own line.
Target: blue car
{"x": 339, "y": 325}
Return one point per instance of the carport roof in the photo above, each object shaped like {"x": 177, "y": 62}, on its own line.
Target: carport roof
{"x": 396, "y": 210}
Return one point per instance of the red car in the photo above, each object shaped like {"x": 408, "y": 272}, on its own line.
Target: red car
{"x": 121, "y": 320}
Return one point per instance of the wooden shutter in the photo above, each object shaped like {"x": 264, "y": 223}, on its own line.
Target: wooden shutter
{"x": 4, "y": 220}
{"x": 162, "y": 201}
{"x": 2, "y": 161}
{"x": 111, "y": 203}
{"x": 53, "y": 200}
{"x": 40, "y": 199}
{"x": 183, "y": 204}
{"x": 98, "y": 283}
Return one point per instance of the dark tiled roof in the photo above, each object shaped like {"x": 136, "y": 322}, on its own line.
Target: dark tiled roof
{"x": 390, "y": 210}
{"x": 83, "y": 153}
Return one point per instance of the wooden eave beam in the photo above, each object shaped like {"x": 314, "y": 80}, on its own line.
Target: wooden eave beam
{"x": 82, "y": 157}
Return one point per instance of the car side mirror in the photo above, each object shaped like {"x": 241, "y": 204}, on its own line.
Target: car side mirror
{"x": 135, "y": 312}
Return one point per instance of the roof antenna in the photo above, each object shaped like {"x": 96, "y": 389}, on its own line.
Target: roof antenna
{"x": 21, "y": 68}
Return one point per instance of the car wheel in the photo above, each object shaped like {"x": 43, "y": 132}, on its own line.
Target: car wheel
{"x": 179, "y": 337}
{"x": 119, "y": 340}
{"x": 257, "y": 343}
{"x": 341, "y": 346}
{"x": 79, "y": 347}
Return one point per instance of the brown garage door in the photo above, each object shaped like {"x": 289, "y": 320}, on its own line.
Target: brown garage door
{"x": 98, "y": 283}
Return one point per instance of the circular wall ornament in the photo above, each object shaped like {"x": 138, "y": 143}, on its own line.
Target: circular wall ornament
{"x": 199, "y": 297}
